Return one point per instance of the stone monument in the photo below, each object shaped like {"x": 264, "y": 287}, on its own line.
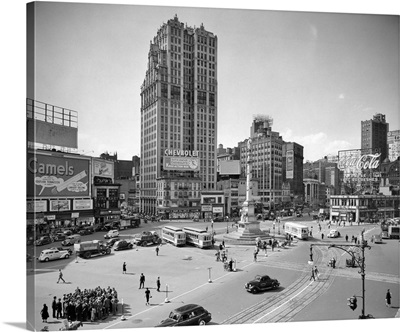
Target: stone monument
{"x": 248, "y": 227}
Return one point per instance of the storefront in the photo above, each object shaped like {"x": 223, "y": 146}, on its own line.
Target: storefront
{"x": 363, "y": 208}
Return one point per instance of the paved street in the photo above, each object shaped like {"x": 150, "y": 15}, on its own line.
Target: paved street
{"x": 186, "y": 271}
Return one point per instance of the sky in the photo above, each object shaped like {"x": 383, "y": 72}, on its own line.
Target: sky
{"x": 318, "y": 75}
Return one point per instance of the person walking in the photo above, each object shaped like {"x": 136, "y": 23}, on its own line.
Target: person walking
{"x": 347, "y": 237}
{"x": 158, "y": 284}
{"x": 316, "y": 272}
{"x": 60, "y": 276}
{"x": 322, "y": 236}
{"x": 54, "y": 306}
{"x": 44, "y": 313}
{"x": 388, "y": 298}
{"x": 59, "y": 309}
{"x": 255, "y": 255}
{"x": 142, "y": 280}
{"x": 312, "y": 274}
{"x": 147, "y": 295}
{"x": 124, "y": 268}
{"x": 157, "y": 250}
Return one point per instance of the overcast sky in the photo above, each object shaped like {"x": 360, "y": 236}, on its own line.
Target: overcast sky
{"x": 317, "y": 75}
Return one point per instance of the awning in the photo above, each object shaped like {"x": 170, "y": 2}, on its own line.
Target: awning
{"x": 335, "y": 214}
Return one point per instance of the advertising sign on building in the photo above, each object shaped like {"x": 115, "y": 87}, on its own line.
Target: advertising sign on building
{"x": 82, "y": 204}
{"x": 181, "y": 160}
{"x": 218, "y": 209}
{"x": 55, "y": 176}
{"x": 359, "y": 167}
{"x": 393, "y": 141}
{"x": 60, "y": 205}
{"x": 103, "y": 168}
{"x": 36, "y": 206}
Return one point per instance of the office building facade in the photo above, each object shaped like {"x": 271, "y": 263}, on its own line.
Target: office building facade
{"x": 374, "y": 135}
{"x": 178, "y": 113}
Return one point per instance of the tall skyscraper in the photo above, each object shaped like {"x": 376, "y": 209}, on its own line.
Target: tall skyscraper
{"x": 374, "y": 135}
{"x": 178, "y": 112}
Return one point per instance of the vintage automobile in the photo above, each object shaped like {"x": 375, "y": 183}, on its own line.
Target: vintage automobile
{"x": 189, "y": 314}
{"x": 52, "y": 254}
{"x": 111, "y": 233}
{"x": 261, "y": 283}
{"x": 43, "y": 240}
{"x": 70, "y": 251}
{"x": 60, "y": 236}
{"x": 110, "y": 243}
{"x": 122, "y": 245}
{"x": 333, "y": 233}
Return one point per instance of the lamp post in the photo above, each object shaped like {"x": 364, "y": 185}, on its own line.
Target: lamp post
{"x": 360, "y": 262}
{"x": 227, "y": 224}
{"x": 209, "y": 274}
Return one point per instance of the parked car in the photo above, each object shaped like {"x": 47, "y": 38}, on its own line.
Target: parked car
{"x": 43, "y": 240}
{"x": 70, "y": 251}
{"x": 52, "y": 254}
{"x": 111, "y": 225}
{"x": 72, "y": 239}
{"x": 59, "y": 236}
{"x": 112, "y": 233}
{"x": 85, "y": 231}
{"x": 110, "y": 243}
{"x": 122, "y": 245}
{"x": 68, "y": 232}
{"x": 333, "y": 233}
{"x": 189, "y": 314}
{"x": 261, "y": 283}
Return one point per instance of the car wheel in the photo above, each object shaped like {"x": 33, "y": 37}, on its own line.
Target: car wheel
{"x": 66, "y": 256}
{"x": 130, "y": 246}
{"x": 46, "y": 259}
{"x": 144, "y": 243}
{"x": 202, "y": 322}
{"x": 87, "y": 255}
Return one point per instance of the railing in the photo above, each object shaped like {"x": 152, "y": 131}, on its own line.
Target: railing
{"x": 51, "y": 114}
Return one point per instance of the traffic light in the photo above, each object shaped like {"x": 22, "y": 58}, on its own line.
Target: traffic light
{"x": 352, "y": 302}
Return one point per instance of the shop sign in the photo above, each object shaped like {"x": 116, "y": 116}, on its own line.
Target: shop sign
{"x": 50, "y": 217}
{"x": 206, "y": 208}
{"x": 218, "y": 209}
{"x": 98, "y": 180}
{"x": 55, "y": 176}
{"x": 75, "y": 215}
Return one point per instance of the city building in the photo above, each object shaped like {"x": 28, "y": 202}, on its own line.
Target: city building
{"x": 364, "y": 208}
{"x": 374, "y": 135}
{"x": 292, "y": 173}
{"x": 178, "y": 112}
{"x": 314, "y": 193}
{"x": 266, "y": 156}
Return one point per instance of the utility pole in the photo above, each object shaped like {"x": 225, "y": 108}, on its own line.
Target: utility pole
{"x": 360, "y": 262}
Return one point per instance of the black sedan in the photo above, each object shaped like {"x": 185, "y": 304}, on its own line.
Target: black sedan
{"x": 43, "y": 240}
{"x": 122, "y": 245}
{"x": 111, "y": 242}
{"x": 261, "y": 283}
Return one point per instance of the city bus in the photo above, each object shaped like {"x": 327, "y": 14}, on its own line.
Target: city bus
{"x": 198, "y": 237}
{"x": 297, "y": 230}
{"x": 394, "y": 232}
{"x": 174, "y": 235}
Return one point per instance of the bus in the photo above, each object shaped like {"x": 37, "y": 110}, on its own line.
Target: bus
{"x": 198, "y": 237}
{"x": 174, "y": 235}
{"x": 297, "y": 230}
{"x": 394, "y": 232}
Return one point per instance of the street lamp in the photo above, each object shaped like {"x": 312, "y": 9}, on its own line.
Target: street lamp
{"x": 360, "y": 262}
{"x": 209, "y": 274}
{"x": 227, "y": 224}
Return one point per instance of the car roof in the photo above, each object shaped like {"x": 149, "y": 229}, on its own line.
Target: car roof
{"x": 187, "y": 307}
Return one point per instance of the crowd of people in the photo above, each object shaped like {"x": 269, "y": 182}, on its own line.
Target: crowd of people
{"x": 87, "y": 305}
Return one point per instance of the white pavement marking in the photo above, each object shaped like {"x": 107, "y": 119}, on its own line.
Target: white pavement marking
{"x": 284, "y": 303}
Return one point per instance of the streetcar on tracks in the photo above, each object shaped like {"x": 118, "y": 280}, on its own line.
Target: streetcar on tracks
{"x": 198, "y": 237}
{"x": 297, "y": 230}
{"x": 174, "y": 235}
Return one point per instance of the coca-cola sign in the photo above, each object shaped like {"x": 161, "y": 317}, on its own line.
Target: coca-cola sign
{"x": 361, "y": 162}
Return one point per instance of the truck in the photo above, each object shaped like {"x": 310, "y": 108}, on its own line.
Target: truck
{"x": 88, "y": 249}
{"x": 147, "y": 237}
{"x": 129, "y": 222}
